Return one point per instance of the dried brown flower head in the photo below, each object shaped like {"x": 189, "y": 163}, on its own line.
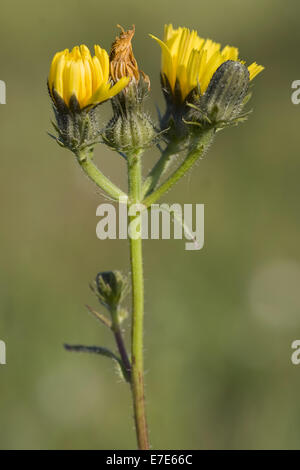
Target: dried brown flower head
{"x": 122, "y": 60}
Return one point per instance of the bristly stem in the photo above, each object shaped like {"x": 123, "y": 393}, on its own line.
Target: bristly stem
{"x": 134, "y": 369}
{"x": 160, "y": 168}
{"x": 194, "y": 154}
{"x": 137, "y": 279}
{"x": 104, "y": 183}
{"x": 116, "y": 328}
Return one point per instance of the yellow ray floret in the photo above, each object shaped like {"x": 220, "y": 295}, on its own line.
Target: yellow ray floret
{"x": 190, "y": 59}
{"x": 78, "y": 73}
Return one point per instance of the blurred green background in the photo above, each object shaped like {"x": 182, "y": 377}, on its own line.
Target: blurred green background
{"x": 219, "y": 322}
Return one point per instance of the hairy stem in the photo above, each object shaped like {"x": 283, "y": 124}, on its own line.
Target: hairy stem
{"x": 160, "y": 168}
{"x": 194, "y": 154}
{"x": 104, "y": 183}
{"x": 136, "y": 259}
{"x": 116, "y": 328}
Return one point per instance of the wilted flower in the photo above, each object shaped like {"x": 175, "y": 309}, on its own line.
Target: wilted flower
{"x": 122, "y": 60}
{"x": 130, "y": 129}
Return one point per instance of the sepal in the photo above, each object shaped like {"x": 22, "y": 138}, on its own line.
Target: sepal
{"x": 77, "y": 129}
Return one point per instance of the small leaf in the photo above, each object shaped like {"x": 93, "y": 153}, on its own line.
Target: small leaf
{"x": 101, "y": 351}
{"x": 106, "y": 321}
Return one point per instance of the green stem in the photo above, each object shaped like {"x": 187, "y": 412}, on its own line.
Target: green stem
{"x": 137, "y": 279}
{"x": 196, "y": 152}
{"x": 160, "y": 168}
{"x": 116, "y": 328}
{"x": 85, "y": 161}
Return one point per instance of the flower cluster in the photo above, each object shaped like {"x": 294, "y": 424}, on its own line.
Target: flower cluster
{"x": 204, "y": 85}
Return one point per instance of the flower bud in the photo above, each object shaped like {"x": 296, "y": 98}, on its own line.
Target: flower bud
{"x": 77, "y": 131}
{"x": 226, "y": 92}
{"x": 77, "y": 83}
{"x": 131, "y": 133}
{"x": 111, "y": 287}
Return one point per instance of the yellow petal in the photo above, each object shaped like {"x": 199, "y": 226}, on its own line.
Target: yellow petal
{"x": 167, "y": 62}
{"x": 58, "y": 82}
{"x": 119, "y": 86}
{"x": 88, "y": 77}
{"x": 193, "y": 68}
{"x": 211, "y": 66}
{"x": 104, "y": 92}
{"x": 254, "y": 70}
{"x": 230, "y": 53}
{"x": 97, "y": 73}
{"x": 85, "y": 52}
{"x": 73, "y": 81}
{"x": 53, "y": 67}
{"x": 103, "y": 58}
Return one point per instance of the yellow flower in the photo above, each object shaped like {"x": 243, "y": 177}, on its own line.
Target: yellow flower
{"x": 78, "y": 74}
{"x": 188, "y": 59}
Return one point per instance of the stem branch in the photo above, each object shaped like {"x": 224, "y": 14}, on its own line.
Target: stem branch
{"x": 160, "y": 168}
{"x": 120, "y": 344}
{"x": 99, "y": 178}
{"x": 195, "y": 153}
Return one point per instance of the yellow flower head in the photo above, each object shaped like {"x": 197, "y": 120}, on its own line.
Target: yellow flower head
{"x": 188, "y": 60}
{"x": 78, "y": 74}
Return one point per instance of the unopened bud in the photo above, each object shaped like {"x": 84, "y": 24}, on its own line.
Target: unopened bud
{"x": 111, "y": 287}
{"x": 132, "y": 133}
{"x": 225, "y": 94}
